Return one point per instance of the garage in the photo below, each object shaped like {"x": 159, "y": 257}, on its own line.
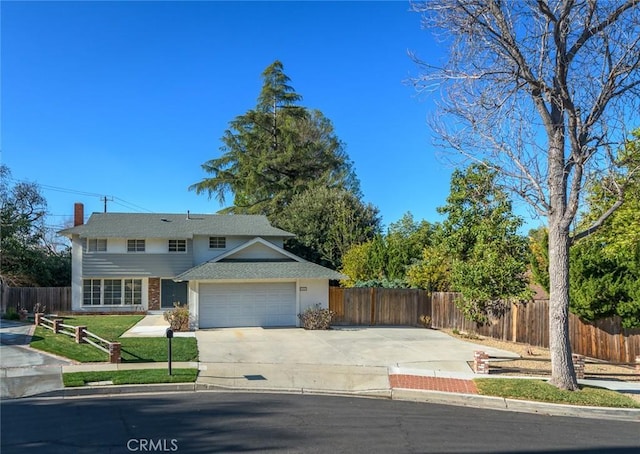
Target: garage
{"x": 247, "y": 304}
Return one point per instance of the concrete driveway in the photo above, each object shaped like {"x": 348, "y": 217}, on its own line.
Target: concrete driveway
{"x": 25, "y": 371}
{"x": 409, "y": 348}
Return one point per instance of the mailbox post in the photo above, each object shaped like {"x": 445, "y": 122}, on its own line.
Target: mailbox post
{"x": 169, "y": 337}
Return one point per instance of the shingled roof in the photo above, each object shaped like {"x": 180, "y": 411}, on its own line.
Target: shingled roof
{"x": 143, "y": 225}
{"x": 258, "y": 270}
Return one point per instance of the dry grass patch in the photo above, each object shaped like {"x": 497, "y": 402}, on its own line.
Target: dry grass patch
{"x": 536, "y": 361}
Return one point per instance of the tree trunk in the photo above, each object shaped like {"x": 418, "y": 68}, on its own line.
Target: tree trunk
{"x": 562, "y": 372}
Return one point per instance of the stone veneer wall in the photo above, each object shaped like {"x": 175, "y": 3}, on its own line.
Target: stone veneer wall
{"x": 154, "y": 293}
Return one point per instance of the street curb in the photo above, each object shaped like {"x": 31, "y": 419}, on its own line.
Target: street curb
{"x": 86, "y": 391}
{"x": 373, "y": 393}
{"x": 401, "y": 394}
{"x": 523, "y": 406}
{"x": 108, "y": 390}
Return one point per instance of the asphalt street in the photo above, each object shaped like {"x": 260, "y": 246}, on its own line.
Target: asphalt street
{"x": 243, "y": 422}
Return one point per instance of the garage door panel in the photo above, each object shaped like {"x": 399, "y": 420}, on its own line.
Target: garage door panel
{"x": 263, "y": 304}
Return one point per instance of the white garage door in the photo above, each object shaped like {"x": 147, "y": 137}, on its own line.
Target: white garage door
{"x": 263, "y": 304}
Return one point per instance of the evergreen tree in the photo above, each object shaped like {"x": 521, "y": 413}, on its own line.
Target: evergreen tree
{"x": 488, "y": 257}
{"x": 327, "y": 222}
{"x": 604, "y": 284}
{"x": 275, "y": 151}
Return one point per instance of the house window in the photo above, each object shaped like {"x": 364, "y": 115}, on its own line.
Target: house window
{"x": 91, "y": 292}
{"x": 135, "y": 245}
{"x": 133, "y": 291}
{"x": 177, "y": 245}
{"x": 97, "y": 245}
{"x": 112, "y": 292}
{"x": 217, "y": 242}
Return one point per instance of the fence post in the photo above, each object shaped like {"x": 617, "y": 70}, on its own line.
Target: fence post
{"x": 480, "y": 362}
{"x": 372, "y": 317}
{"x": 80, "y": 334}
{"x": 114, "y": 352}
{"x": 638, "y": 364}
{"x": 514, "y": 322}
{"x": 38, "y": 318}
{"x": 578, "y": 365}
{"x": 56, "y": 325}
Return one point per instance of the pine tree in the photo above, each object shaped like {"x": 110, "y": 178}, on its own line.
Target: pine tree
{"x": 275, "y": 151}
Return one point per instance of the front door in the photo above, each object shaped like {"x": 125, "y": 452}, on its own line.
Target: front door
{"x": 172, "y": 292}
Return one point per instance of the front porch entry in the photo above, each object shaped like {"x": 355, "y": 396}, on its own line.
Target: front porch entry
{"x": 172, "y": 292}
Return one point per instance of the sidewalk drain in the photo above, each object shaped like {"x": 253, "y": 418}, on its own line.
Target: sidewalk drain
{"x": 254, "y": 377}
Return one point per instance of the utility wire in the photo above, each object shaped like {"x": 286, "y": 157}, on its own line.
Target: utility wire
{"x": 122, "y": 203}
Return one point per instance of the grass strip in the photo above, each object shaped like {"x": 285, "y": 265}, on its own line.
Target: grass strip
{"x": 541, "y": 391}
{"x": 111, "y": 327}
{"x": 130, "y": 377}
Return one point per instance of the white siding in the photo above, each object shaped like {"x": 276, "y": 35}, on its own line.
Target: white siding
{"x": 194, "y": 304}
{"x": 317, "y": 291}
{"x": 76, "y": 272}
{"x": 202, "y": 253}
{"x": 152, "y": 245}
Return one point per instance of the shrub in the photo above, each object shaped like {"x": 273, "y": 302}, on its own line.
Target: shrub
{"x": 178, "y": 317}
{"x": 316, "y": 317}
{"x": 39, "y": 308}
{"x": 425, "y": 320}
{"x": 11, "y": 314}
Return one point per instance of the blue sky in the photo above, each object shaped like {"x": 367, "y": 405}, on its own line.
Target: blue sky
{"x": 128, "y": 99}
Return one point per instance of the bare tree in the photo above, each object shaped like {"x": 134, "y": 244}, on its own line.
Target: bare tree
{"x": 542, "y": 89}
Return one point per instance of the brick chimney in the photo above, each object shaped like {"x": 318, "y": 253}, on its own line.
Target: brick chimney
{"x": 78, "y": 214}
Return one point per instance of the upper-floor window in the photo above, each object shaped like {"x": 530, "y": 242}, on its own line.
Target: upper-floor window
{"x": 97, "y": 245}
{"x": 217, "y": 242}
{"x": 135, "y": 245}
{"x": 177, "y": 245}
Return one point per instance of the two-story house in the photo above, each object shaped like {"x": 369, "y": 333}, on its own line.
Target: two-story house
{"x": 231, "y": 270}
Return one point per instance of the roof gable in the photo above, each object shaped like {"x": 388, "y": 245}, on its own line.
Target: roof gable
{"x": 257, "y": 249}
{"x": 238, "y": 264}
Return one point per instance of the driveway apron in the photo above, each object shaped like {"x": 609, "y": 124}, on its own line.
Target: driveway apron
{"x": 348, "y": 346}
{"x": 351, "y": 359}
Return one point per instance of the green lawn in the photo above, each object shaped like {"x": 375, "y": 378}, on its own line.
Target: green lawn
{"x": 111, "y": 327}
{"x": 128, "y": 377}
{"x": 541, "y": 391}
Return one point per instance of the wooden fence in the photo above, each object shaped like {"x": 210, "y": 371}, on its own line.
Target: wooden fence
{"x": 378, "y": 306}
{"x": 81, "y": 336}
{"x": 529, "y": 324}
{"x": 56, "y": 299}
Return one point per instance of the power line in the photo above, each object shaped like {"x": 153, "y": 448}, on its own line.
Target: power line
{"x": 132, "y": 205}
{"x": 69, "y": 191}
{"x": 102, "y": 197}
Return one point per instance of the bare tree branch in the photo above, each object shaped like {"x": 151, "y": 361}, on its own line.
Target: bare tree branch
{"x": 540, "y": 89}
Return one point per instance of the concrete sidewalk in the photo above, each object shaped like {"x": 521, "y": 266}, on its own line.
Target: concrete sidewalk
{"x": 441, "y": 387}
{"x": 153, "y": 326}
